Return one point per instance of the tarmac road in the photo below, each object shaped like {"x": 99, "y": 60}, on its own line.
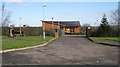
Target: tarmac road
{"x": 74, "y": 49}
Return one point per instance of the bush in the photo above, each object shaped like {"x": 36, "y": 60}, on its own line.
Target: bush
{"x": 112, "y": 33}
{"x": 115, "y": 33}
{"x": 105, "y": 31}
{"x": 95, "y": 33}
{"x": 34, "y": 31}
{"x": 5, "y": 31}
{"x": 30, "y": 31}
{"x": 82, "y": 33}
{"x": 49, "y": 32}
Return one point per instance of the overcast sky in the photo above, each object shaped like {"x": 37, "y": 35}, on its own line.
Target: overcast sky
{"x": 85, "y": 12}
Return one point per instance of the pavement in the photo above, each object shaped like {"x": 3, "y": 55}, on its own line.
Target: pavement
{"x": 74, "y": 49}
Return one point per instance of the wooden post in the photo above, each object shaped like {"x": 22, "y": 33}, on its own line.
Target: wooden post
{"x": 24, "y": 30}
{"x": 56, "y": 33}
{"x": 88, "y": 31}
{"x": 11, "y": 31}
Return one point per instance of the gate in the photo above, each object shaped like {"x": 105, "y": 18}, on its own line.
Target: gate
{"x": 60, "y": 32}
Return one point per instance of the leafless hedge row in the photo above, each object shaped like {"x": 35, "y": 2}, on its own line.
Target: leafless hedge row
{"x": 30, "y": 31}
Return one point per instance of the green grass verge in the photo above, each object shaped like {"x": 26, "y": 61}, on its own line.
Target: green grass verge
{"x": 3, "y": 37}
{"x": 35, "y": 38}
{"x": 106, "y": 38}
{"x": 19, "y": 34}
{"x": 18, "y": 44}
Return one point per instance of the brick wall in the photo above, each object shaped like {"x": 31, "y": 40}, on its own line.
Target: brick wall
{"x": 48, "y": 26}
{"x": 77, "y": 30}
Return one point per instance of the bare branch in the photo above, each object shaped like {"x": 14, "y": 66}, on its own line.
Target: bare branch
{"x": 5, "y": 16}
{"x": 114, "y": 17}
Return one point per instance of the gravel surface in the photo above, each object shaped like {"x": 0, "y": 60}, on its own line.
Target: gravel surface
{"x": 65, "y": 50}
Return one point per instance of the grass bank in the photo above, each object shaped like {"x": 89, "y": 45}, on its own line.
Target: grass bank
{"x": 106, "y": 38}
{"x": 3, "y": 37}
{"x": 24, "y": 42}
{"x": 18, "y": 44}
{"x": 35, "y": 38}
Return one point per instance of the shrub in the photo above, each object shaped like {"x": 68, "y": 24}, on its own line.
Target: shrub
{"x": 104, "y": 29}
{"x": 5, "y": 31}
{"x": 95, "y": 33}
{"x": 34, "y": 31}
{"x": 82, "y": 33}
{"x": 49, "y": 32}
{"x": 112, "y": 33}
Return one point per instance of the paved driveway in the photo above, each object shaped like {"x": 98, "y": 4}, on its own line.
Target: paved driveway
{"x": 65, "y": 50}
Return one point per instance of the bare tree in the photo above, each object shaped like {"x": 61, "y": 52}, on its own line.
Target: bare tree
{"x": 83, "y": 28}
{"x": 5, "y": 16}
{"x": 85, "y": 25}
{"x": 118, "y": 19}
{"x": 114, "y": 18}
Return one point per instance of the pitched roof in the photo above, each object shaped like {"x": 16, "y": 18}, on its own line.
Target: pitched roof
{"x": 65, "y": 23}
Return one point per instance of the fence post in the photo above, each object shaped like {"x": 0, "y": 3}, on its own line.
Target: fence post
{"x": 11, "y": 33}
{"x": 88, "y": 31}
{"x": 24, "y": 30}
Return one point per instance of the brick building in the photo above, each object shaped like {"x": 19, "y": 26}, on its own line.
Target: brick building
{"x": 62, "y": 27}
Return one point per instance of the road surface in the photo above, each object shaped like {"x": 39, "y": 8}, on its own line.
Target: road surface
{"x": 74, "y": 49}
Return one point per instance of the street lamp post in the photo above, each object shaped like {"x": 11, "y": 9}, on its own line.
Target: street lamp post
{"x": 20, "y": 26}
{"x": 3, "y": 10}
{"x": 52, "y": 23}
{"x": 44, "y": 5}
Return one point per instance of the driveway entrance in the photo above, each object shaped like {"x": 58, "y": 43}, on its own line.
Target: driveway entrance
{"x": 65, "y": 50}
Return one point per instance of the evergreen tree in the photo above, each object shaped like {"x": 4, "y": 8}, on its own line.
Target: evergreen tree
{"x": 104, "y": 30}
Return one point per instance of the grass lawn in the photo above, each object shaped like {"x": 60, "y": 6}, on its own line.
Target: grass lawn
{"x": 106, "y": 38}
{"x": 29, "y": 41}
{"x": 35, "y": 38}
{"x": 3, "y": 37}
{"x": 18, "y": 44}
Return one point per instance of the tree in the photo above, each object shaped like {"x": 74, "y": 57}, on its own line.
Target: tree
{"x": 115, "y": 16}
{"x": 118, "y": 14}
{"x": 85, "y": 25}
{"x": 5, "y": 16}
{"x": 115, "y": 21}
{"x": 104, "y": 29}
{"x": 83, "y": 28}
